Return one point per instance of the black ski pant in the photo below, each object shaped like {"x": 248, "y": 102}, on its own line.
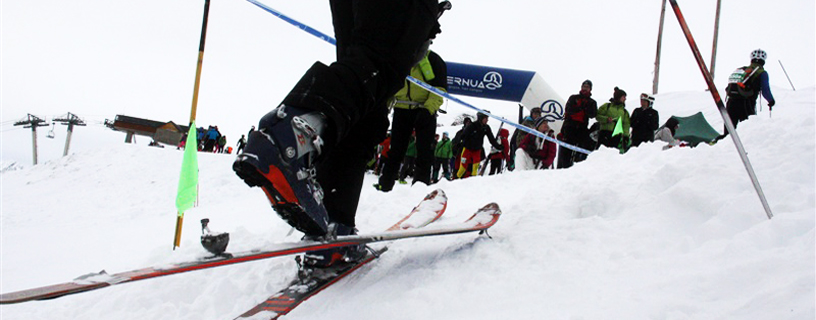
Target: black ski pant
{"x": 642, "y": 135}
{"x": 495, "y": 166}
{"x": 739, "y": 109}
{"x": 405, "y": 121}
{"x": 341, "y": 173}
{"x": 377, "y": 44}
{"x": 445, "y": 164}
{"x": 574, "y": 135}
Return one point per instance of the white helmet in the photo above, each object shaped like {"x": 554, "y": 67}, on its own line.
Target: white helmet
{"x": 759, "y": 54}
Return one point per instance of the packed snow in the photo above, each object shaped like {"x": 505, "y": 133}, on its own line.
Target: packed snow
{"x": 651, "y": 234}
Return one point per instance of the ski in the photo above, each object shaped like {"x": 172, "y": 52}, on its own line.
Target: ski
{"x": 480, "y": 221}
{"x": 304, "y": 286}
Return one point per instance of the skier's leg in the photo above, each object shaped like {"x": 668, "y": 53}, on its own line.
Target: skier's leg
{"x": 379, "y": 42}
{"x": 425, "y": 126}
{"x": 403, "y": 123}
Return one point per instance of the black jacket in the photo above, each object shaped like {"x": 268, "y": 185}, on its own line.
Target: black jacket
{"x": 473, "y": 136}
{"x": 579, "y": 110}
{"x": 644, "y": 123}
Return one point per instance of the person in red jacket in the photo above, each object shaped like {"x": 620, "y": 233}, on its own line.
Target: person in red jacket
{"x": 498, "y": 157}
{"x": 535, "y": 152}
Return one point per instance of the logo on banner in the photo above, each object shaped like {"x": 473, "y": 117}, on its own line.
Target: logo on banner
{"x": 491, "y": 81}
{"x": 552, "y": 110}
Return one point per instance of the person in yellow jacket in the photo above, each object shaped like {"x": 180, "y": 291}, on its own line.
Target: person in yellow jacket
{"x": 415, "y": 111}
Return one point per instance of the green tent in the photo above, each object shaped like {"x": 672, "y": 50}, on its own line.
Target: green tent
{"x": 695, "y": 129}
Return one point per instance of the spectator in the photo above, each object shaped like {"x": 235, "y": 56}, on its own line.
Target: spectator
{"x": 473, "y": 145}
{"x": 577, "y": 112}
{"x": 443, "y": 154}
{"x": 498, "y": 157}
{"x": 415, "y": 111}
{"x": 383, "y": 148}
{"x": 536, "y": 152}
{"x": 409, "y": 162}
{"x": 608, "y": 115}
{"x": 519, "y": 134}
{"x": 222, "y": 142}
{"x": 240, "y": 145}
{"x": 457, "y": 145}
{"x": 666, "y": 134}
{"x": 645, "y": 121}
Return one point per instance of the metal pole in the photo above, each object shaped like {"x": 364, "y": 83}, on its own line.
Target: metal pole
{"x": 716, "y": 36}
{"x": 786, "y": 75}
{"x": 659, "y": 45}
{"x": 34, "y": 141}
{"x": 68, "y": 138}
{"x": 721, "y": 107}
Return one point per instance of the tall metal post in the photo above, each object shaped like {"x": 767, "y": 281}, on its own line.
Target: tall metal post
{"x": 659, "y": 45}
{"x": 71, "y": 120}
{"x": 716, "y": 36}
{"x": 32, "y": 122}
{"x": 729, "y": 127}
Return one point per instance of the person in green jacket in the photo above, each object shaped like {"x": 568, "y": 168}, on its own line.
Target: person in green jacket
{"x": 607, "y": 117}
{"x": 409, "y": 163}
{"x": 443, "y": 154}
{"x": 415, "y": 111}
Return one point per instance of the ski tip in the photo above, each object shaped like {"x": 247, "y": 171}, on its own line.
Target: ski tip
{"x": 436, "y": 193}
{"x": 492, "y": 208}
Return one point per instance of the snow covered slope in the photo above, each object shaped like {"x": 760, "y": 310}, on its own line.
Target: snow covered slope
{"x": 677, "y": 234}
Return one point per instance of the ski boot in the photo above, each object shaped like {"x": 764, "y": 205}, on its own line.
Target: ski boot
{"x": 280, "y": 158}
{"x": 330, "y": 257}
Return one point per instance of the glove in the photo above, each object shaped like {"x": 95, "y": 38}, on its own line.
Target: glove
{"x": 771, "y": 103}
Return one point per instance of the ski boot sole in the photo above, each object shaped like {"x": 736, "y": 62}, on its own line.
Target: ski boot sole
{"x": 280, "y": 195}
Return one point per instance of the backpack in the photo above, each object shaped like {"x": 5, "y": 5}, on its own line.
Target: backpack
{"x": 740, "y": 81}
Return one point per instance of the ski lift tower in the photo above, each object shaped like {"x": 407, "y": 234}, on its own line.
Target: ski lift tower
{"x": 71, "y": 120}
{"x": 32, "y": 122}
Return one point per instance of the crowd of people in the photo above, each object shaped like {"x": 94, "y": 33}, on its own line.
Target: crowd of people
{"x": 613, "y": 127}
{"x": 209, "y": 140}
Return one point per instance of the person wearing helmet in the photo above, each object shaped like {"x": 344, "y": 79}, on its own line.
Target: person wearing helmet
{"x": 644, "y": 121}
{"x": 744, "y": 86}
{"x": 473, "y": 146}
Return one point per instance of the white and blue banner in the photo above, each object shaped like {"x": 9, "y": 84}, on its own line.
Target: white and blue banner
{"x": 525, "y": 87}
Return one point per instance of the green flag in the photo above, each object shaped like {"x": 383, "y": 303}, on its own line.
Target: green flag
{"x": 188, "y": 181}
{"x": 618, "y": 128}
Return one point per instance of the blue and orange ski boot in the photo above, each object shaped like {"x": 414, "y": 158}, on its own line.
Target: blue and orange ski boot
{"x": 280, "y": 158}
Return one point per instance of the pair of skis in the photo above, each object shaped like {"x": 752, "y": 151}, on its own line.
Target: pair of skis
{"x": 303, "y": 287}
{"x": 412, "y": 226}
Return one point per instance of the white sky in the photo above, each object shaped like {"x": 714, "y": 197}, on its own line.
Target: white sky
{"x": 99, "y": 58}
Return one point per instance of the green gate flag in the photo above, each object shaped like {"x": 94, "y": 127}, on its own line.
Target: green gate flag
{"x": 188, "y": 181}
{"x": 618, "y": 127}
